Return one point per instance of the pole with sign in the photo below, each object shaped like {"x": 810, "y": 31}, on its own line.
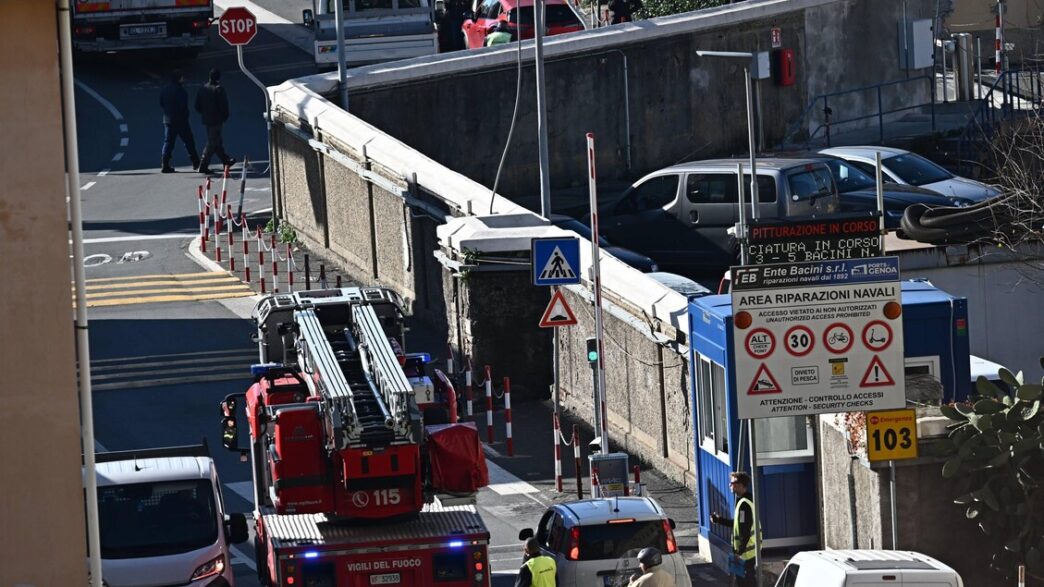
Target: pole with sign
{"x": 891, "y": 436}
{"x": 596, "y": 286}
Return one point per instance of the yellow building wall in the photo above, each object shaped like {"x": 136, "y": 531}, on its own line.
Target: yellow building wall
{"x": 42, "y": 535}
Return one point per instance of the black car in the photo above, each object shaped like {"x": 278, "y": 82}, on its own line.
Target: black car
{"x": 632, "y": 258}
{"x": 858, "y": 191}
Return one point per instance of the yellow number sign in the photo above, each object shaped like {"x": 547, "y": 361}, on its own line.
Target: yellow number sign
{"x": 891, "y": 435}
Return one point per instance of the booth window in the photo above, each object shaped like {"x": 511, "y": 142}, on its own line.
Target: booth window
{"x": 923, "y": 385}
{"x": 713, "y": 415}
{"x": 789, "y": 437}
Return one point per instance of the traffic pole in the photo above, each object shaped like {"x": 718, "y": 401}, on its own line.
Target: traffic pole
{"x": 576, "y": 457}
{"x": 468, "y": 389}
{"x": 308, "y": 274}
{"x": 600, "y": 403}
{"x": 489, "y": 404}
{"x": 557, "y": 430}
{"x": 507, "y": 416}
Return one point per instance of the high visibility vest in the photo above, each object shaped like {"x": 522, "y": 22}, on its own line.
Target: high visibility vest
{"x": 743, "y": 551}
{"x": 498, "y": 38}
{"x": 542, "y": 569}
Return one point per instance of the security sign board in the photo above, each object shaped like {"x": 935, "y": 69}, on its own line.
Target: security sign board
{"x": 819, "y": 337}
{"x": 891, "y": 435}
{"x": 556, "y": 261}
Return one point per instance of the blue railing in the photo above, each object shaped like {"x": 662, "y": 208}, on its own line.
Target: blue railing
{"x": 1013, "y": 94}
{"x": 823, "y": 101}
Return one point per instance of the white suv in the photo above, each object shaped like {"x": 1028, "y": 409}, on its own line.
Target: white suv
{"x": 595, "y": 542}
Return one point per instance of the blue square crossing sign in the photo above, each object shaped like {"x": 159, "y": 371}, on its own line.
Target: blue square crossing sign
{"x": 556, "y": 261}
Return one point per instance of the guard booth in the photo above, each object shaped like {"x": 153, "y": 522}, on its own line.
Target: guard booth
{"x": 936, "y": 362}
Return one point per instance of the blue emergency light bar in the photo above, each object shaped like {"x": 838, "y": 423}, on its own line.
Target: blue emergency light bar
{"x": 260, "y": 369}
{"x": 422, "y": 357}
{"x": 311, "y": 554}
{"x": 456, "y": 543}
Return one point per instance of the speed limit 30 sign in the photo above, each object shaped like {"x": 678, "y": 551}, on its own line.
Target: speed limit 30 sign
{"x": 891, "y": 435}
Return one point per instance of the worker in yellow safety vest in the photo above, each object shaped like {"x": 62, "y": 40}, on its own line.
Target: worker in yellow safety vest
{"x": 742, "y": 522}
{"x": 538, "y": 569}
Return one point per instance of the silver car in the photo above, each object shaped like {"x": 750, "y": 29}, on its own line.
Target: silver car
{"x": 903, "y": 167}
{"x": 595, "y": 542}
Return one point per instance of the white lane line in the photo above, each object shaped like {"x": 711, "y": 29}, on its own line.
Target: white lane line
{"x": 124, "y": 142}
{"x": 244, "y": 489}
{"x": 504, "y": 483}
{"x": 123, "y": 128}
{"x": 143, "y": 237}
{"x": 240, "y": 558}
{"x": 104, "y": 172}
{"x": 118, "y": 156}
{"x": 88, "y": 186}
{"x": 107, "y": 104}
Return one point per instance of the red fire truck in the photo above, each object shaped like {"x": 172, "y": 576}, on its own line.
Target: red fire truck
{"x": 351, "y": 486}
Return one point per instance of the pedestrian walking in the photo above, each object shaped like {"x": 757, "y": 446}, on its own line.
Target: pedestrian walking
{"x": 174, "y": 102}
{"x": 501, "y": 34}
{"x": 212, "y": 105}
{"x": 538, "y": 569}
{"x": 623, "y": 10}
{"x": 650, "y": 565}
{"x": 742, "y": 522}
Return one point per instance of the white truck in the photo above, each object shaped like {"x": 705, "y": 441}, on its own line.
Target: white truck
{"x": 866, "y": 568}
{"x": 374, "y": 30}
{"x": 103, "y": 26}
{"x": 163, "y": 520}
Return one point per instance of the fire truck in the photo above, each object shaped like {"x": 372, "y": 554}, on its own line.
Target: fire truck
{"x": 352, "y": 486}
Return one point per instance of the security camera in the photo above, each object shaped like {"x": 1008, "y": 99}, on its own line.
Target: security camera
{"x": 595, "y": 446}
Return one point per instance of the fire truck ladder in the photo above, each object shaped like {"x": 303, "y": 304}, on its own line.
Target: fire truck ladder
{"x": 352, "y": 378}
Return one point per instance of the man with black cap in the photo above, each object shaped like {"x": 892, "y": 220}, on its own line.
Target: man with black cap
{"x": 174, "y": 102}
{"x": 650, "y": 562}
{"x": 212, "y": 105}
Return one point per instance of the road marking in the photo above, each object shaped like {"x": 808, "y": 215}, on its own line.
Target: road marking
{"x": 87, "y": 186}
{"x": 504, "y": 483}
{"x": 103, "y": 172}
{"x": 165, "y": 286}
{"x": 107, "y": 104}
{"x": 206, "y": 281}
{"x": 136, "y": 373}
{"x": 119, "y": 155}
{"x": 123, "y": 129}
{"x": 150, "y": 289}
{"x": 150, "y": 276}
{"x": 244, "y": 489}
{"x": 140, "y": 237}
{"x": 167, "y": 299}
{"x": 239, "y": 558}
{"x": 124, "y": 142}
{"x": 233, "y": 352}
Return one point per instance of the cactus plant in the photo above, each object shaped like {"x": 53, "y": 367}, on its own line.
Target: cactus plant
{"x": 996, "y": 448}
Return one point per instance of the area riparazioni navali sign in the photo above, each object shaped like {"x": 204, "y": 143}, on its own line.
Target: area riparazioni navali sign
{"x": 818, "y": 337}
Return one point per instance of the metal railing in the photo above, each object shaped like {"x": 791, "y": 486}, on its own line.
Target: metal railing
{"x": 823, "y": 101}
{"x": 1015, "y": 93}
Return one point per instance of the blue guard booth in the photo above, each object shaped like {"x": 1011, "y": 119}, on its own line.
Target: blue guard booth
{"x": 935, "y": 337}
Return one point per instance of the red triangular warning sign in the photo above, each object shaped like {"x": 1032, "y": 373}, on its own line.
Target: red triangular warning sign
{"x": 763, "y": 382}
{"x": 876, "y": 375}
{"x": 558, "y": 312}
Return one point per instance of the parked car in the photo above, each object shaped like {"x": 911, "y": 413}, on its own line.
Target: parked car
{"x": 903, "y": 167}
{"x": 596, "y": 541}
{"x": 560, "y": 17}
{"x": 858, "y": 191}
{"x": 680, "y": 215}
{"x": 634, "y": 259}
{"x": 844, "y": 568}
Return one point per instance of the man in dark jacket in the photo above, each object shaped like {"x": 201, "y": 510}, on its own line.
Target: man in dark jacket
{"x": 623, "y": 10}
{"x": 174, "y": 102}
{"x": 212, "y": 105}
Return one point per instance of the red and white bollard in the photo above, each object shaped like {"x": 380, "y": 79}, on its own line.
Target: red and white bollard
{"x": 246, "y": 253}
{"x": 275, "y": 266}
{"x": 261, "y": 260}
{"x": 468, "y": 390}
{"x": 199, "y": 197}
{"x": 206, "y": 228}
{"x": 489, "y": 404}
{"x": 507, "y": 416}
{"x": 231, "y": 242}
{"x": 449, "y": 359}
{"x": 289, "y": 268}
{"x": 576, "y": 458}
{"x": 557, "y": 431}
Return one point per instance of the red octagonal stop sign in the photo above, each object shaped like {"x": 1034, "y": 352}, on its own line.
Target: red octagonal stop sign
{"x": 237, "y": 26}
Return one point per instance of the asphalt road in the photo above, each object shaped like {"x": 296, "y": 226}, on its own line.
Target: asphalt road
{"x": 170, "y": 338}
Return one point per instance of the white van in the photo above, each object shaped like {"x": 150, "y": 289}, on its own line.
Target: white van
{"x": 162, "y": 519}
{"x": 864, "y": 568}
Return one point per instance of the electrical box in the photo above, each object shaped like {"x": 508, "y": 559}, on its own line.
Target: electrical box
{"x": 916, "y": 48}
{"x": 784, "y": 68}
{"x": 609, "y": 475}
{"x": 759, "y": 66}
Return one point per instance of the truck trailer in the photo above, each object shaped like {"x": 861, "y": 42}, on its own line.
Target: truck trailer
{"x": 102, "y": 26}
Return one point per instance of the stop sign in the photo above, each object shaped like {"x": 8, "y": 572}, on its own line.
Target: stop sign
{"x": 237, "y": 26}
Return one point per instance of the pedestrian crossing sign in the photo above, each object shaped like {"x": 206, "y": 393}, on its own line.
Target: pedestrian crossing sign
{"x": 556, "y": 261}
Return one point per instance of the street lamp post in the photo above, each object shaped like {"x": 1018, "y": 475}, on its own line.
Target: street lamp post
{"x": 750, "y": 121}
{"x": 752, "y": 424}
